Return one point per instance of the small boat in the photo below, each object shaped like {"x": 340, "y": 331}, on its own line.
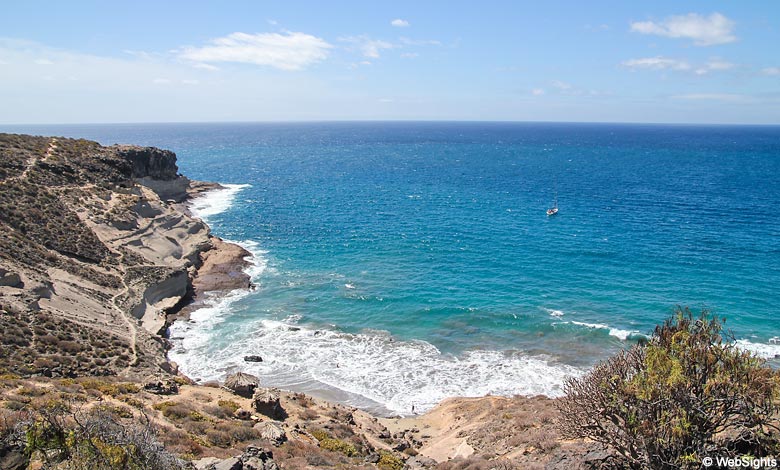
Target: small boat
{"x": 554, "y": 209}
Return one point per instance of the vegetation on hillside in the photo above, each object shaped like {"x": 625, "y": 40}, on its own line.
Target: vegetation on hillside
{"x": 686, "y": 394}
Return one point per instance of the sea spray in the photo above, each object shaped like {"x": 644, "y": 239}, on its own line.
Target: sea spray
{"x": 373, "y": 365}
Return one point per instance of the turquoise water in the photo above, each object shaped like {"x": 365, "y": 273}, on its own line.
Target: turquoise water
{"x": 400, "y": 263}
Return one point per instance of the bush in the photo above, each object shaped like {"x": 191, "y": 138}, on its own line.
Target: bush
{"x": 388, "y": 461}
{"x": 683, "y": 395}
{"x": 97, "y": 439}
{"x": 337, "y": 445}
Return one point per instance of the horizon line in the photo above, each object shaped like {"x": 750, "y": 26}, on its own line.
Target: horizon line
{"x": 357, "y": 121}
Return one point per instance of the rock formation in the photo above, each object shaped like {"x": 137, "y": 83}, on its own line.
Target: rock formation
{"x": 94, "y": 253}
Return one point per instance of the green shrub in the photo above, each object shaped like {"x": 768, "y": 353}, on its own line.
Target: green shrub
{"x": 683, "y": 395}
{"x": 337, "y": 445}
{"x": 320, "y": 434}
{"x": 229, "y": 405}
{"x": 388, "y": 461}
{"x": 96, "y": 439}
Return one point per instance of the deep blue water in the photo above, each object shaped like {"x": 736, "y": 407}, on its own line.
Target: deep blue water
{"x": 420, "y": 263}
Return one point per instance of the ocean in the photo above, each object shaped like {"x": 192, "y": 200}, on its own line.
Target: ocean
{"x": 401, "y": 263}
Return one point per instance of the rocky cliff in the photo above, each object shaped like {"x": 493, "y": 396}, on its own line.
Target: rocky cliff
{"x": 95, "y": 251}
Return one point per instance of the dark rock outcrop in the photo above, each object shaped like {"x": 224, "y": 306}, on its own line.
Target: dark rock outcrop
{"x": 162, "y": 388}
{"x": 13, "y": 280}
{"x": 253, "y": 458}
{"x": 150, "y": 162}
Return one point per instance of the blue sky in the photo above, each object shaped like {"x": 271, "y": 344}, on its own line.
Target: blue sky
{"x": 660, "y": 61}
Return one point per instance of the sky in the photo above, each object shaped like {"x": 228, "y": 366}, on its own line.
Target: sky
{"x": 489, "y": 60}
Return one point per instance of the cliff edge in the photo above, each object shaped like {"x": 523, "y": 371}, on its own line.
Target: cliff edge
{"x": 95, "y": 251}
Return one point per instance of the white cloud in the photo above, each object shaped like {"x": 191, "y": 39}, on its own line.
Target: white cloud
{"x": 665, "y": 63}
{"x": 370, "y": 48}
{"x": 143, "y": 55}
{"x": 771, "y": 71}
{"x": 33, "y": 93}
{"x": 705, "y": 31}
{"x": 287, "y": 51}
{"x": 657, "y": 63}
{"x": 722, "y": 97}
{"x": 719, "y": 65}
{"x": 714, "y": 65}
{"x": 205, "y": 67}
{"x": 399, "y": 23}
{"x": 537, "y": 91}
{"x": 418, "y": 42}
{"x": 561, "y": 85}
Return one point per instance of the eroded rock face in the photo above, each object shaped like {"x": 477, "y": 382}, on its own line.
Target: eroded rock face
{"x": 150, "y": 162}
{"x": 87, "y": 249}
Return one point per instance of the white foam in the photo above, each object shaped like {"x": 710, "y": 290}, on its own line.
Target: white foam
{"x": 372, "y": 364}
{"x": 767, "y": 351}
{"x": 258, "y": 263}
{"x": 215, "y": 201}
{"x": 217, "y": 306}
{"x": 622, "y": 335}
{"x": 553, "y": 313}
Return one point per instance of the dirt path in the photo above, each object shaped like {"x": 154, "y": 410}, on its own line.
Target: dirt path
{"x": 132, "y": 327}
{"x": 34, "y": 160}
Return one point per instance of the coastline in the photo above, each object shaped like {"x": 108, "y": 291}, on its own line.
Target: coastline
{"x": 455, "y": 429}
{"x": 225, "y": 274}
{"x": 518, "y": 373}
{"x": 222, "y": 268}
{"x": 144, "y": 259}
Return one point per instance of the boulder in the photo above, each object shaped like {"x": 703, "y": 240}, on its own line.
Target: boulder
{"x": 10, "y": 279}
{"x": 170, "y": 367}
{"x": 253, "y": 358}
{"x": 255, "y": 458}
{"x": 233, "y": 463}
{"x": 243, "y": 414}
{"x": 13, "y": 459}
{"x": 266, "y": 401}
{"x": 162, "y": 388}
{"x": 242, "y": 384}
{"x": 421, "y": 462}
{"x": 206, "y": 463}
{"x": 272, "y": 432}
